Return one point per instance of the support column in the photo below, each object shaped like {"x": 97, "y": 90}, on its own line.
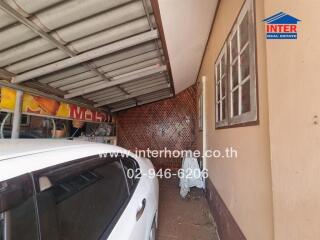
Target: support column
{"x": 204, "y": 122}
{"x": 16, "y": 122}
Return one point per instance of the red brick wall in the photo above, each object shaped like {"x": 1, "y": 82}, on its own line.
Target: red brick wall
{"x": 168, "y": 123}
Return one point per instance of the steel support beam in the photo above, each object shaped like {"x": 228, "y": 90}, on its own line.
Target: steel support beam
{"x": 132, "y": 95}
{"x": 141, "y": 103}
{"x": 145, "y": 6}
{"x": 145, "y": 84}
{"x": 157, "y": 16}
{"x": 87, "y": 56}
{"x": 115, "y": 78}
{"x": 203, "y": 95}
{"x": 108, "y": 97}
{"x": 16, "y": 122}
{"x": 5, "y": 75}
{"x": 117, "y": 81}
{"x": 154, "y": 99}
{"x": 34, "y": 27}
{"x": 123, "y": 108}
{"x": 100, "y": 94}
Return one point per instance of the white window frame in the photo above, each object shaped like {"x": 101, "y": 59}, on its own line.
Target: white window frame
{"x": 250, "y": 116}
{"x": 218, "y": 87}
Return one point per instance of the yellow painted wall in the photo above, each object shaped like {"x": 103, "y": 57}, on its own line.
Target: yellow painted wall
{"x": 294, "y": 99}
{"x": 243, "y": 183}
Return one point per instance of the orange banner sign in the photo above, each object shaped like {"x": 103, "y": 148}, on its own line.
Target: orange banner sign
{"x": 49, "y": 107}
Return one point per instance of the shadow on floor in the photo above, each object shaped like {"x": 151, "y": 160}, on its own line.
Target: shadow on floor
{"x": 185, "y": 219}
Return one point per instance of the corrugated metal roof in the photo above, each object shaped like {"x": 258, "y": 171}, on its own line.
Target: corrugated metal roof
{"x": 106, "y": 52}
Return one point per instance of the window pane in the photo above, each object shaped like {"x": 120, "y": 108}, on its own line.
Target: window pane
{"x": 23, "y": 221}
{"x": 223, "y": 86}
{"x": 235, "y": 80}
{"x": 218, "y": 112}
{"x": 246, "y": 97}
{"x": 82, "y": 207}
{"x": 218, "y": 91}
{"x": 244, "y": 31}
{"x": 223, "y": 109}
{"x": 218, "y": 72}
{"x": 245, "y": 63}
{"x": 223, "y": 65}
{"x": 234, "y": 47}
{"x": 235, "y": 102}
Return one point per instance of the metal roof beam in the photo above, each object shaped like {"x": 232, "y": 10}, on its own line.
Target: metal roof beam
{"x": 123, "y": 108}
{"x": 105, "y": 97}
{"x": 132, "y": 95}
{"x": 132, "y": 72}
{"x": 100, "y": 74}
{"x": 130, "y": 61}
{"x": 145, "y": 6}
{"x": 140, "y": 103}
{"x": 87, "y": 56}
{"x": 153, "y": 100}
{"x": 118, "y": 80}
{"x": 150, "y": 83}
{"x": 86, "y": 82}
{"x": 161, "y": 93}
{"x": 34, "y": 27}
{"x": 101, "y": 93}
{"x": 132, "y": 67}
{"x": 111, "y": 59}
{"x": 5, "y": 75}
{"x": 144, "y": 80}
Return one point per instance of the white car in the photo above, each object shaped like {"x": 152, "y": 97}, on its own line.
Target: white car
{"x": 67, "y": 190}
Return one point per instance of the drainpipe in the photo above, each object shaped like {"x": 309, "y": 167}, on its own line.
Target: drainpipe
{"x": 17, "y": 115}
{"x": 204, "y": 123}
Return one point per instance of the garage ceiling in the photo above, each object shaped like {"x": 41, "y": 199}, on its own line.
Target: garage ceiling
{"x": 107, "y": 53}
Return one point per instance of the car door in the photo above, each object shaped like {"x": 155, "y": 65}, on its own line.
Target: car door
{"x": 81, "y": 200}
{"x": 139, "y": 199}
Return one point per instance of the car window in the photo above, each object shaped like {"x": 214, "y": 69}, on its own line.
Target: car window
{"x": 81, "y": 202}
{"x": 132, "y": 172}
{"x": 17, "y": 208}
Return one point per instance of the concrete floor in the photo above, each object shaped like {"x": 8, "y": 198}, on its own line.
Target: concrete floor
{"x": 185, "y": 219}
